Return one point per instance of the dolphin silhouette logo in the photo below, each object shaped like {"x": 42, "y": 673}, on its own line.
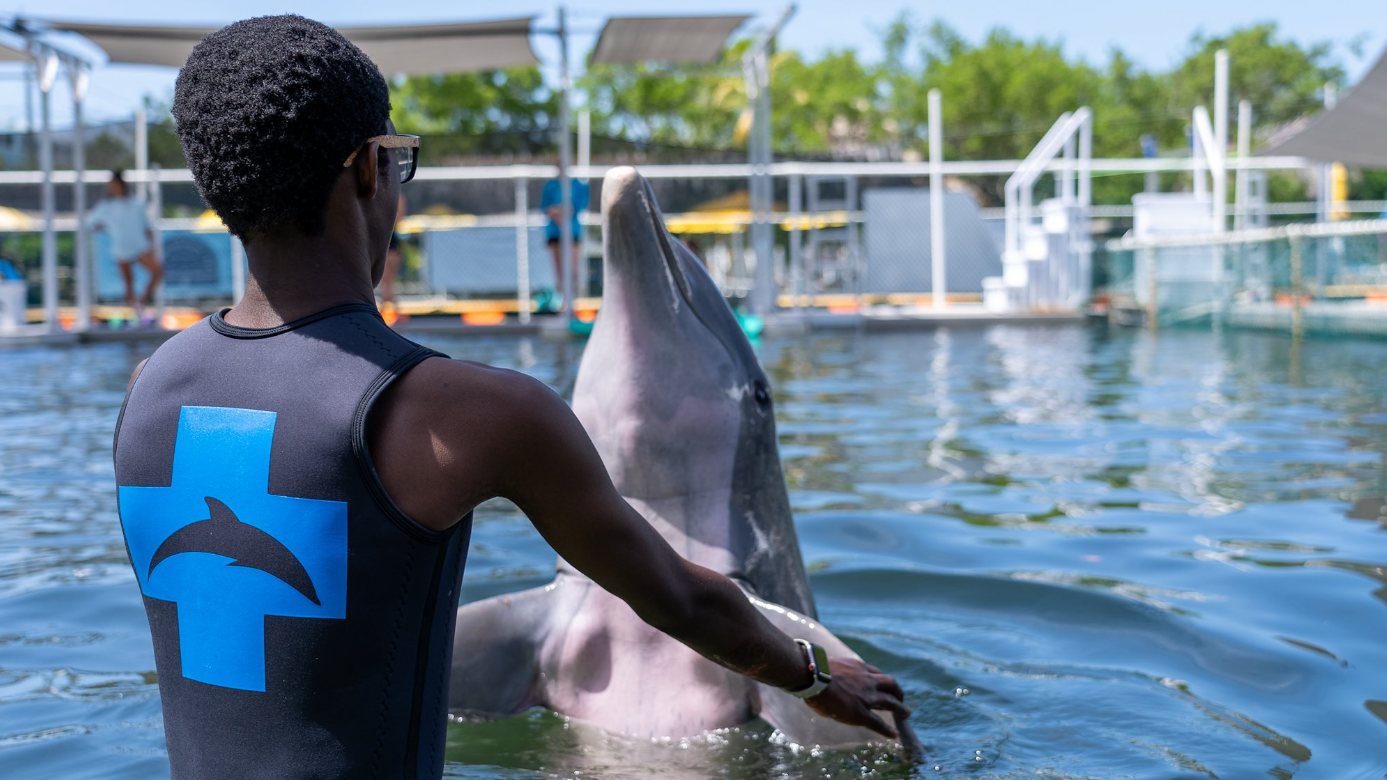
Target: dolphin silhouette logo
{"x": 224, "y": 534}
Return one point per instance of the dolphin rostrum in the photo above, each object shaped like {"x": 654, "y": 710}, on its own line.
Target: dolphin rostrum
{"x": 674, "y": 398}
{"x": 224, "y": 534}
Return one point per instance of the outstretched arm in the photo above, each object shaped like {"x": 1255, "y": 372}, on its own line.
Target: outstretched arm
{"x": 511, "y": 436}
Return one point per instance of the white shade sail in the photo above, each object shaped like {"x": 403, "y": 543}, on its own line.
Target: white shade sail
{"x": 691, "y": 39}
{"x": 446, "y": 48}
{"x": 405, "y": 49}
{"x": 1354, "y": 132}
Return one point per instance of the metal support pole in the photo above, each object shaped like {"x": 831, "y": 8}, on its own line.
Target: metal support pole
{"x": 796, "y": 185}
{"x": 1153, "y": 310}
{"x": 142, "y": 152}
{"x": 938, "y": 294}
{"x": 767, "y": 238}
{"x": 1244, "y": 152}
{"x": 1068, "y": 193}
{"x": 78, "y": 73}
{"x": 585, "y": 142}
{"x": 156, "y": 218}
{"x": 47, "y": 64}
{"x": 238, "y": 270}
{"x": 757, "y": 69}
{"x": 1297, "y": 250}
{"x": 1221, "y": 140}
{"x": 1085, "y": 233}
{"x": 30, "y": 77}
{"x": 1199, "y": 166}
{"x": 565, "y": 183}
{"x": 522, "y": 248}
{"x": 1326, "y": 172}
{"x": 1148, "y": 151}
{"x": 763, "y": 297}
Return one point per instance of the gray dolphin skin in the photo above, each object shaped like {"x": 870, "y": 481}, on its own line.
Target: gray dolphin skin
{"x": 680, "y": 410}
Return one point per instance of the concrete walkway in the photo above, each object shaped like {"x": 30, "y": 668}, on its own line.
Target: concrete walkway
{"x": 783, "y": 323}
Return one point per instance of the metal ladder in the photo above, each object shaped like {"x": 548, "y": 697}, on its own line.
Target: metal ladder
{"x": 832, "y": 255}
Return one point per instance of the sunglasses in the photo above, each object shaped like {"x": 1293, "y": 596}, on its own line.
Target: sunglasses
{"x": 406, "y": 152}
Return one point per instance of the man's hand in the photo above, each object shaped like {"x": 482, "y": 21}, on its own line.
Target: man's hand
{"x": 856, "y": 690}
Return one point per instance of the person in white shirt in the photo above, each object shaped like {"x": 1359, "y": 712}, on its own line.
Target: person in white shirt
{"x": 122, "y": 216}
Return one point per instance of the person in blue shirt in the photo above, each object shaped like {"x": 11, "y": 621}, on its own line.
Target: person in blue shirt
{"x": 551, "y": 204}
{"x": 122, "y": 216}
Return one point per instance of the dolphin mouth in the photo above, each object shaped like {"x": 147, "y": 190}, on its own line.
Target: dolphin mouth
{"x": 634, "y": 228}
{"x": 668, "y": 252}
{"x": 630, "y": 210}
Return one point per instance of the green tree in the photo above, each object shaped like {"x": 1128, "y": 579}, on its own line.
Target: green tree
{"x": 491, "y": 112}
{"x": 1282, "y": 79}
{"x": 832, "y": 103}
{"x": 998, "y": 97}
{"x": 680, "y": 105}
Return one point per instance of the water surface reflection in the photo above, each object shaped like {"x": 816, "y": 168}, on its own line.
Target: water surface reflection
{"x": 1085, "y": 553}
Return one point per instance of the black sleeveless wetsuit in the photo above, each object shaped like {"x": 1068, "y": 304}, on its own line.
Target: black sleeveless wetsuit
{"x": 302, "y": 623}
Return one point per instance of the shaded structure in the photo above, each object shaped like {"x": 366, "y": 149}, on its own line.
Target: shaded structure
{"x": 684, "y": 39}
{"x": 407, "y": 49}
{"x": 1353, "y": 132}
{"x": 396, "y": 49}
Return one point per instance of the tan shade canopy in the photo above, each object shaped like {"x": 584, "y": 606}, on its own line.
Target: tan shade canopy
{"x": 9, "y": 53}
{"x": 693, "y": 39}
{"x": 1354, "y": 132}
{"x": 408, "y": 49}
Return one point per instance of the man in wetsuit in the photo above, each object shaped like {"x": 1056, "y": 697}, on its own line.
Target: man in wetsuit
{"x": 296, "y": 481}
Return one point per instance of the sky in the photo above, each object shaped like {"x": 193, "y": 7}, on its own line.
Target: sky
{"x": 1155, "y": 33}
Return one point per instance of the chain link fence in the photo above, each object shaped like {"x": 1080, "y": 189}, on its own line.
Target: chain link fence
{"x": 1326, "y": 277}
{"x": 841, "y": 240}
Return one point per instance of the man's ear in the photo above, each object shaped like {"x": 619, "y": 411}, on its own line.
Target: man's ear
{"x": 367, "y": 177}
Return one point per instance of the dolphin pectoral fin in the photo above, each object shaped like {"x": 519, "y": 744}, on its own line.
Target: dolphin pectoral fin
{"x": 793, "y": 717}
{"x": 496, "y": 647}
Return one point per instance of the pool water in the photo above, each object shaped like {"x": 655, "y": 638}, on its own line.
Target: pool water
{"x": 1085, "y": 553}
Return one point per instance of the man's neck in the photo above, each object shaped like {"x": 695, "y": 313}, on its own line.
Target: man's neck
{"x": 295, "y": 276}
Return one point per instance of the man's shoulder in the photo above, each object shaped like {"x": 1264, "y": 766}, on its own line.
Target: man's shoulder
{"x": 467, "y": 389}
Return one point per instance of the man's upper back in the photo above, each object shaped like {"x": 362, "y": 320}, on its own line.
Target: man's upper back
{"x": 302, "y": 622}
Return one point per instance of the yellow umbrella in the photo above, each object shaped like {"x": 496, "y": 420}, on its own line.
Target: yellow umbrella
{"x": 209, "y": 222}
{"x": 14, "y": 219}
{"x": 418, "y": 223}
{"x": 723, "y": 221}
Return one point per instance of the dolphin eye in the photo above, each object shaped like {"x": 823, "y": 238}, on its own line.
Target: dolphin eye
{"x": 763, "y": 395}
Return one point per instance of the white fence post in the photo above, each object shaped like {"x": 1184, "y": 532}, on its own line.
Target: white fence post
{"x": 796, "y": 184}
{"x": 82, "y": 256}
{"x": 47, "y": 63}
{"x": 936, "y": 201}
{"x": 238, "y": 270}
{"x": 156, "y": 207}
{"x": 522, "y": 247}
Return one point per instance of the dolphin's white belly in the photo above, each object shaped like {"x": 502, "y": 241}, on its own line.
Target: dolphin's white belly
{"x": 602, "y": 664}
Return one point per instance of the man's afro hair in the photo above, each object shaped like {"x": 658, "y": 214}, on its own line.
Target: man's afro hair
{"x": 267, "y": 110}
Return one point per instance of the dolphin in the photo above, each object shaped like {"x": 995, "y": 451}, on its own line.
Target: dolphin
{"x": 222, "y": 533}
{"x": 682, "y": 414}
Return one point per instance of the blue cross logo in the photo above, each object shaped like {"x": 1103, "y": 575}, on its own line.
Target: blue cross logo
{"x": 228, "y": 553}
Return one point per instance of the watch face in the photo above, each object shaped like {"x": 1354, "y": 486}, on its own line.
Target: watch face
{"x": 821, "y": 663}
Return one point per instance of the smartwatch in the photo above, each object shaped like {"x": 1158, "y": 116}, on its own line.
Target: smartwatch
{"x": 817, "y": 661}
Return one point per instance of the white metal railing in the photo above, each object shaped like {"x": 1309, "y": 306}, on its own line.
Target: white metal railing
{"x": 1071, "y": 171}
{"x": 733, "y": 170}
{"x": 1208, "y": 152}
{"x": 1058, "y": 139}
{"x": 1358, "y": 227}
